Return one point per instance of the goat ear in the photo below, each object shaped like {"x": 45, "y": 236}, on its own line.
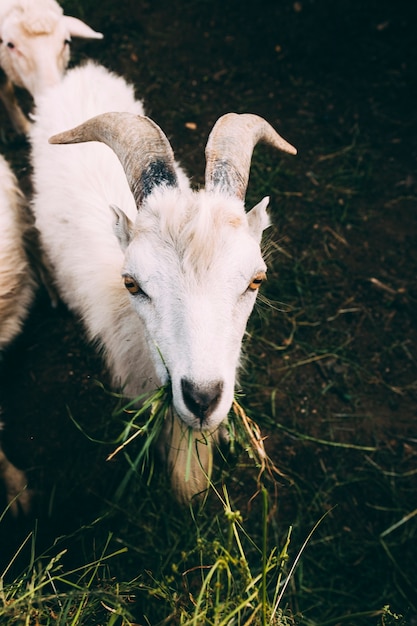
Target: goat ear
{"x": 122, "y": 227}
{"x": 77, "y": 28}
{"x": 258, "y": 218}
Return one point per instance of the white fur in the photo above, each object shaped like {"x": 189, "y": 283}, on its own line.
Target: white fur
{"x": 194, "y": 254}
{"x": 34, "y": 49}
{"x": 16, "y": 280}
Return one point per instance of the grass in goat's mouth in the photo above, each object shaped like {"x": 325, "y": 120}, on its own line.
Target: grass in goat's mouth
{"x": 246, "y": 433}
{"x": 147, "y": 423}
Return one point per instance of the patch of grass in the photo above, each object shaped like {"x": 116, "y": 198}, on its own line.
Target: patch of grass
{"x": 203, "y": 566}
{"x": 297, "y": 553}
{"x": 226, "y": 577}
{"x": 45, "y": 593}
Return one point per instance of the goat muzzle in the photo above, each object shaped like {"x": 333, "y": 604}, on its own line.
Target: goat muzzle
{"x": 201, "y": 400}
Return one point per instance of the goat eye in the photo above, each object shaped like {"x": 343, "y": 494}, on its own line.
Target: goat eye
{"x": 257, "y": 281}
{"x": 132, "y": 286}
{"x": 10, "y": 45}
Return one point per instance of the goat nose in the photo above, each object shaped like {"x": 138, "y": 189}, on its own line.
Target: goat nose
{"x": 201, "y": 400}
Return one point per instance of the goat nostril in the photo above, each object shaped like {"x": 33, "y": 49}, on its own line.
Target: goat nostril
{"x": 201, "y": 399}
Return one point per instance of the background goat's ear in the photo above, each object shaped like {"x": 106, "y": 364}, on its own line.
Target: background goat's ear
{"x": 77, "y": 28}
{"x": 122, "y": 227}
{"x": 258, "y": 218}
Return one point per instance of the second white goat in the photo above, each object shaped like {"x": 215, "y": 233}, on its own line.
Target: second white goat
{"x": 166, "y": 280}
{"x": 35, "y": 36}
{"x": 17, "y": 289}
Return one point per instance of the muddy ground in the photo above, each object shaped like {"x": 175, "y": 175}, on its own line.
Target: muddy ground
{"x": 336, "y": 360}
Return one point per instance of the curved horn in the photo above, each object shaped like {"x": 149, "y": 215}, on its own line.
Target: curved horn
{"x": 229, "y": 151}
{"x": 141, "y": 146}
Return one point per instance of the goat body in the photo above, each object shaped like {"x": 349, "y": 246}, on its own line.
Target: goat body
{"x": 166, "y": 280}
{"x": 34, "y": 49}
{"x": 17, "y": 284}
{"x": 17, "y": 287}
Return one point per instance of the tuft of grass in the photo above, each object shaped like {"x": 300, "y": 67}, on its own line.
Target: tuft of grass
{"x": 145, "y": 422}
{"x": 230, "y": 589}
{"x": 45, "y": 593}
{"x": 246, "y": 434}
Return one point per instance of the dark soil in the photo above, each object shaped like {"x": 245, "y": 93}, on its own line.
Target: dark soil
{"x": 337, "y": 362}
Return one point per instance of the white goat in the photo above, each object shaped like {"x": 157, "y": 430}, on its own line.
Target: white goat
{"x": 17, "y": 287}
{"x": 166, "y": 281}
{"x": 34, "y": 49}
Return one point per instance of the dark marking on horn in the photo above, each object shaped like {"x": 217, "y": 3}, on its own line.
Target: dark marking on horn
{"x": 229, "y": 148}
{"x": 225, "y": 177}
{"x": 141, "y": 146}
{"x": 157, "y": 173}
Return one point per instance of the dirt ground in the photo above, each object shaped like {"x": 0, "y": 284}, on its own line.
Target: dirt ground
{"x": 337, "y": 361}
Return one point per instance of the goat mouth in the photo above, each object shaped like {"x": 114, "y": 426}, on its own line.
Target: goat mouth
{"x": 196, "y": 421}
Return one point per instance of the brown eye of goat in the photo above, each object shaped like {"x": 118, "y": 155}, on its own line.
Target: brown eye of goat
{"x": 257, "y": 281}
{"x": 132, "y": 285}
